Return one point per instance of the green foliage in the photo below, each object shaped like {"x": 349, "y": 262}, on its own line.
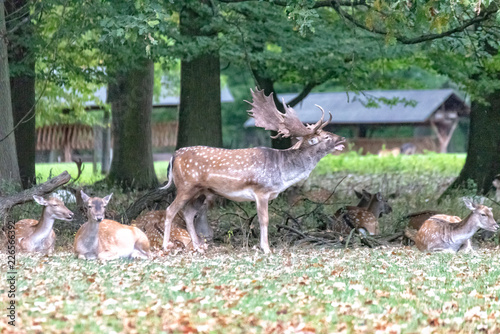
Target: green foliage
{"x": 445, "y": 164}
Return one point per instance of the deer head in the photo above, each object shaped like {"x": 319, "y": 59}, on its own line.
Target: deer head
{"x": 54, "y": 208}
{"x": 96, "y": 207}
{"x": 288, "y": 124}
{"x": 483, "y": 214}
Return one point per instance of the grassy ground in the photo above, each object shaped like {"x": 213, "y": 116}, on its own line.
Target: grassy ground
{"x": 386, "y": 290}
{"x": 298, "y": 289}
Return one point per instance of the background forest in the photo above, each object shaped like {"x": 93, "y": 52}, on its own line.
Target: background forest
{"x": 54, "y": 56}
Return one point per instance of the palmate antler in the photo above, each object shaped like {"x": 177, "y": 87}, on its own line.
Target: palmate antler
{"x": 287, "y": 124}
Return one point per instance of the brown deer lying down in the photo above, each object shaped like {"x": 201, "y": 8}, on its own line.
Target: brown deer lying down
{"x": 152, "y": 224}
{"x": 441, "y": 235}
{"x": 38, "y": 236}
{"x": 364, "y": 219}
{"x": 254, "y": 174}
{"x": 417, "y": 219}
{"x": 106, "y": 239}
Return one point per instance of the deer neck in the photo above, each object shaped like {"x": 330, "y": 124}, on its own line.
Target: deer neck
{"x": 460, "y": 232}
{"x": 297, "y": 164}
{"x": 92, "y": 230}
{"x": 43, "y": 228}
{"x": 90, "y": 237}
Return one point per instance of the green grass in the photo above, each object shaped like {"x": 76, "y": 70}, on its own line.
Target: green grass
{"x": 238, "y": 291}
{"x": 445, "y": 164}
{"x": 46, "y": 170}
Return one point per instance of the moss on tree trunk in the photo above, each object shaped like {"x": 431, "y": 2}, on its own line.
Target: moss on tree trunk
{"x": 9, "y": 168}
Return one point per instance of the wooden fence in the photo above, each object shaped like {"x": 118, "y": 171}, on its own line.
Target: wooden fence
{"x": 81, "y": 137}
{"x": 71, "y": 137}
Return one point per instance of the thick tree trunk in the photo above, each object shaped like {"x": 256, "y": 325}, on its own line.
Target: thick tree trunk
{"x": 200, "y": 120}
{"x": 22, "y": 84}
{"x": 23, "y": 109}
{"x": 483, "y": 154}
{"x": 9, "y": 168}
{"x": 131, "y": 97}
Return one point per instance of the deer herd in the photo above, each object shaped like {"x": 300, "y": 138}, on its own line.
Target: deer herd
{"x": 258, "y": 175}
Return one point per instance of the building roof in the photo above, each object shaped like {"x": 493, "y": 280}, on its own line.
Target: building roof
{"x": 350, "y": 108}
{"x": 164, "y": 100}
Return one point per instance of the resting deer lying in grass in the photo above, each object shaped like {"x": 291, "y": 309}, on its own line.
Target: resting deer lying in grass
{"x": 106, "y": 239}
{"x": 38, "y": 236}
{"x": 364, "y": 219}
{"x": 153, "y": 225}
{"x": 417, "y": 219}
{"x": 441, "y": 235}
{"x": 254, "y": 174}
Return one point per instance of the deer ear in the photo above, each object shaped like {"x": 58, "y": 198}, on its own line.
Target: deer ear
{"x": 40, "y": 200}
{"x": 313, "y": 141}
{"x": 379, "y": 196}
{"x": 469, "y": 204}
{"x": 85, "y": 197}
{"x": 358, "y": 194}
{"x": 106, "y": 199}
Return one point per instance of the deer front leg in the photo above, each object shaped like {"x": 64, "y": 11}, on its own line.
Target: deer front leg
{"x": 467, "y": 247}
{"x": 263, "y": 214}
{"x": 172, "y": 210}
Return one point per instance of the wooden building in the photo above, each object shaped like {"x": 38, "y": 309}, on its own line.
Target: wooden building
{"x": 437, "y": 111}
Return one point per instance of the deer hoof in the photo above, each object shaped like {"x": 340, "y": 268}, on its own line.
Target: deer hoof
{"x": 169, "y": 245}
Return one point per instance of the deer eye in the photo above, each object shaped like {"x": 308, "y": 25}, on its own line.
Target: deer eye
{"x": 483, "y": 214}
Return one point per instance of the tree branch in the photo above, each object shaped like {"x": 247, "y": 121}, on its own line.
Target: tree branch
{"x": 318, "y": 4}
{"x": 7, "y": 202}
{"x": 305, "y": 91}
{"x": 493, "y": 9}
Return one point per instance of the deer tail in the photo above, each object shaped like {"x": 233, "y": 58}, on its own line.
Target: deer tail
{"x": 170, "y": 177}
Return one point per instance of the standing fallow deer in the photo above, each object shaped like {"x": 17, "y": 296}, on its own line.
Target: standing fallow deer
{"x": 254, "y": 174}
{"x": 364, "y": 219}
{"x": 106, "y": 239}
{"x": 439, "y": 234}
{"x": 37, "y": 235}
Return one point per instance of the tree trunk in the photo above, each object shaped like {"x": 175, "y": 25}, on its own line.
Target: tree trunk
{"x": 131, "y": 97}
{"x": 22, "y": 85}
{"x": 483, "y": 154}
{"x": 200, "y": 120}
{"x": 106, "y": 144}
{"x": 9, "y": 168}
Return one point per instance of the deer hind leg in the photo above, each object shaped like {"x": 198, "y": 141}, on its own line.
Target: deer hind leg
{"x": 203, "y": 228}
{"x": 263, "y": 214}
{"x": 141, "y": 246}
{"x": 189, "y": 213}
{"x": 179, "y": 202}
